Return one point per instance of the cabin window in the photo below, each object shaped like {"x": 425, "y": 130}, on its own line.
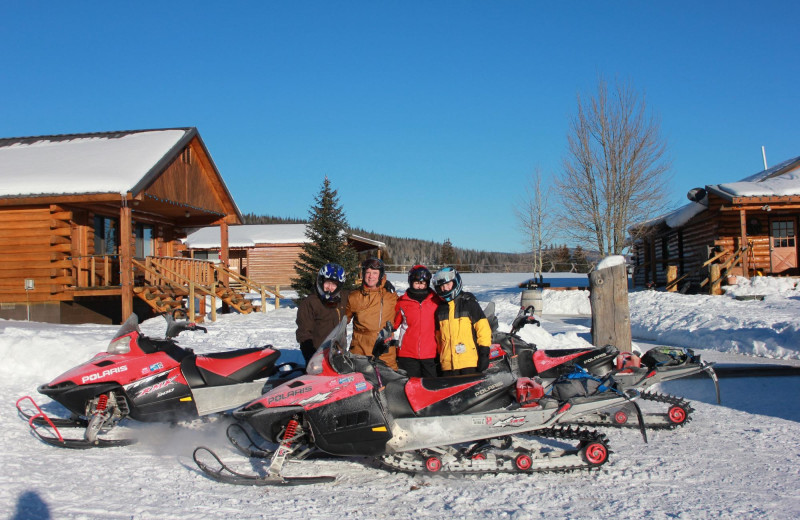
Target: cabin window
{"x": 144, "y": 240}
{"x": 783, "y": 233}
{"x": 106, "y": 235}
{"x": 186, "y": 155}
{"x": 206, "y": 255}
{"x": 753, "y": 227}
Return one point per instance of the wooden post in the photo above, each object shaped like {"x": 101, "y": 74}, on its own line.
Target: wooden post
{"x": 714, "y": 276}
{"x": 224, "y": 251}
{"x": 743, "y": 242}
{"x": 611, "y": 319}
{"x": 125, "y": 256}
{"x": 672, "y": 275}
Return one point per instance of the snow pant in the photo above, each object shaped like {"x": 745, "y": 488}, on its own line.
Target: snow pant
{"x": 417, "y": 367}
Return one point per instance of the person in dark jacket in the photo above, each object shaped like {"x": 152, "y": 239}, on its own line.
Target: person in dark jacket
{"x": 414, "y": 318}
{"x": 318, "y": 314}
{"x": 462, "y": 330}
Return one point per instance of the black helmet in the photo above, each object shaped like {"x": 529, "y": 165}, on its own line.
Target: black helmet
{"x": 334, "y": 273}
{"x": 373, "y": 263}
{"x": 419, "y": 273}
{"x": 442, "y": 276}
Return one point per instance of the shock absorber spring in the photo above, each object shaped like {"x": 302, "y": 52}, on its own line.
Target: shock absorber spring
{"x": 291, "y": 429}
{"x": 102, "y": 402}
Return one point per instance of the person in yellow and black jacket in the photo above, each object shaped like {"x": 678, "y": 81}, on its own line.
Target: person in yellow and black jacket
{"x": 463, "y": 333}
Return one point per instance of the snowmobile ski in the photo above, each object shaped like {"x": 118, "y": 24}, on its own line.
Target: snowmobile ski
{"x": 224, "y": 473}
{"x": 60, "y": 422}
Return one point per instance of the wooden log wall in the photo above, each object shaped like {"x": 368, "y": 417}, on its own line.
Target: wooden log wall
{"x": 685, "y": 247}
{"x": 273, "y": 264}
{"x": 35, "y": 243}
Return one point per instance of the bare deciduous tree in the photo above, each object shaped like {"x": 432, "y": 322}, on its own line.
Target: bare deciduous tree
{"x": 615, "y": 168}
{"x": 534, "y": 220}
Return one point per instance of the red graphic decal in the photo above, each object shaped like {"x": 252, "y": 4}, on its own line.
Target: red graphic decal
{"x": 421, "y": 397}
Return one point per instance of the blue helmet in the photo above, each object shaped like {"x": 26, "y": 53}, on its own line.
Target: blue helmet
{"x": 442, "y": 276}
{"x": 334, "y": 273}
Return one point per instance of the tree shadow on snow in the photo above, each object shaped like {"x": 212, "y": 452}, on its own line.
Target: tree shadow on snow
{"x": 30, "y": 506}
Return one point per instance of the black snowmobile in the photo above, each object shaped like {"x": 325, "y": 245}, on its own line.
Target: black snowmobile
{"x": 607, "y": 365}
{"x": 351, "y": 405}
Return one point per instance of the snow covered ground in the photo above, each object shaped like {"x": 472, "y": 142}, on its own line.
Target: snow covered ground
{"x": 738, "y": 460}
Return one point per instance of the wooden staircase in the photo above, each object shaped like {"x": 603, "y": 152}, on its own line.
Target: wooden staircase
{"x": 234, "y": 299}
{"x": 166, "y": 284}
{"x": 162, "y": 299}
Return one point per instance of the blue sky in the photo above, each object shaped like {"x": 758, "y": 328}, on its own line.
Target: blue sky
{"x": 428, "y": 117}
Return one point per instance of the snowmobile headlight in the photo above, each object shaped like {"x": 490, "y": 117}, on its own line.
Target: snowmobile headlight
{"x": 314, "y": 365}
{"x": 120, "y": 345}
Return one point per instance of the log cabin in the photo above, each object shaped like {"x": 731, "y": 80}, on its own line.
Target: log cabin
{"x": 749, "y": 227}
{"x": 90, "y": 224}
{"x": 267, "y": 253}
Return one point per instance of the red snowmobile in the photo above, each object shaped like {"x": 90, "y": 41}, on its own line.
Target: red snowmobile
{"x": 350, "y": 405}
{"x": 607, "y": 365}
{"x": 148, "y": 379}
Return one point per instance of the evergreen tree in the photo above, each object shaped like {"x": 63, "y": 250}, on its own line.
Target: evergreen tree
{"x": 580, "y": 260}
{"x": 326, "y": 232}
{"x": 447, "y": 255}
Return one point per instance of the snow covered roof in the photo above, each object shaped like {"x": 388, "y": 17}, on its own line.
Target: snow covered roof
{"x": 781, "y": 180}
{"x": 247, "y": 235}
{"x": 250, "y": 235}
{"x": 110, "y": 162}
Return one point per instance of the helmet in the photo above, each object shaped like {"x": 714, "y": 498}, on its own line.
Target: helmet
{"x": 334, "y": 273}
{"x": 373, "y": 263}
{"x": 442, "y": 276}
{"x": 419, "y": 273}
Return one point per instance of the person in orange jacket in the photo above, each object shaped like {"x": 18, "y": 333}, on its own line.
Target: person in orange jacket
{"x": 414, "y": 318}
{"x": 370, "y": 307}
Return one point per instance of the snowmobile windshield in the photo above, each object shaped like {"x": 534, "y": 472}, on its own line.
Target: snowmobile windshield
{"x": 121, "y": 342}
{"x": 334, "y": 346}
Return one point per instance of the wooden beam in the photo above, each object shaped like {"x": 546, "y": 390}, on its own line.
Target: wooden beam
{"x": 125, "y": 257}
{"x": 743, "y": 243}
{"x": 61, "y": 199}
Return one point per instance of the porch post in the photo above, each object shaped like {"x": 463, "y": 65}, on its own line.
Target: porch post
{"x": 125, "y": 255}
{"x": 224, "y": 252}
{"x": 743, "y": 243}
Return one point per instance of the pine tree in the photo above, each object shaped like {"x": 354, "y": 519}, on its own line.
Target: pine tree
{"x": 580, "y": 260}
{"x": 326, "y": 232}
{"x": 447, "y": 255}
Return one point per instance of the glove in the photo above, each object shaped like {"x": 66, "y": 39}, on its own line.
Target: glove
{"x": 307, "y": 348}
{"x": 483, "y": 358}
{"x": 401, "y": 330}
{"x": 389, "y": 287}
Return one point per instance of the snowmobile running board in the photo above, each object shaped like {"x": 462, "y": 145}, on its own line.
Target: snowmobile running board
{"x": 40, "y": 421}
{"x": 225, "y": 474}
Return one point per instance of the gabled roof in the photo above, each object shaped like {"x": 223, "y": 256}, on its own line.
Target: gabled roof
{"x": 250, "y": 235}
{"x": 247, "y": 235}
{"x": 782, "y": 180}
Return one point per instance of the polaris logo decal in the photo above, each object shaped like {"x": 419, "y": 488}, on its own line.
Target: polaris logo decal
{"x": 345, "y": 380}
{"x": 487, "y": 389}
{"x": 314, "y": 399}
{"x": 513, "y": 421}
{"x": 157, "y": 386}
{"x": 104, "y": 373}
{"x": 291, "y": 393}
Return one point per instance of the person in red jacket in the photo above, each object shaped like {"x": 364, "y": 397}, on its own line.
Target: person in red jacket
{"x": 414, "y": 318}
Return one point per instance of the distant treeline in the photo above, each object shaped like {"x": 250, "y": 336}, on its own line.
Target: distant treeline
{"x": 401, "y": 253}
